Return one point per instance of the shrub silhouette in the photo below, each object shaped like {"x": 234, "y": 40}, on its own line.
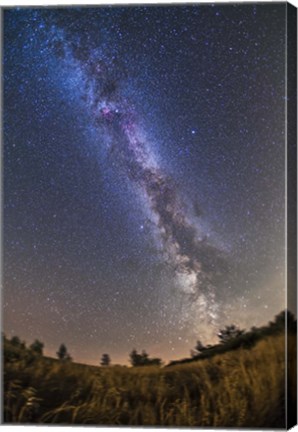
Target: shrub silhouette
{"x": 62, "y": 353}
{"x": 105, "y": 360}
{"x": 143, "y": 359}
{"x": 37, "y": 347}
{"x": 229, "y": 332}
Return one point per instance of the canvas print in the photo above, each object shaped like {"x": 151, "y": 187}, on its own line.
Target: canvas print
{"x": 149, "y": 202}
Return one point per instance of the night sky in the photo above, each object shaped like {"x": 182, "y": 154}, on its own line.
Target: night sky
{"x": 144, "y": 179}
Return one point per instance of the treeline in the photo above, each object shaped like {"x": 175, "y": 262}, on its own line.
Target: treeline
{"x": 18, "y": 349}
{"x": 143, "y": 359}
{"x": 230, "y": 338}
{"x": 15, "y": 349}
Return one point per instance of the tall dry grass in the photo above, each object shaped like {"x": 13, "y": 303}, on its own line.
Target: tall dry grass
{"x": 242, "y": 388}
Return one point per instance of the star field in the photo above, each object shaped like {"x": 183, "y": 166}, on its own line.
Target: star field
{"x": 144, "y": 156}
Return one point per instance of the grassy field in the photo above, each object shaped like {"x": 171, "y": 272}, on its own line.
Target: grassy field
{"x": 241, "y": 388}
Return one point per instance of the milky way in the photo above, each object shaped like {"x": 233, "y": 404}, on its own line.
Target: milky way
{"x": 144, "y": 174}
{"x": 194, "y": 261}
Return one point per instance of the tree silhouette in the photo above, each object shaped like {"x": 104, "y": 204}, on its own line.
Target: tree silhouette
{"x": 105, "y": 360}
{"x": 198, "y": 349}
{"x": 62, "y": 353}
{"x": 229, "y": 332}
{"x": 284, "y": 317}
{"x": 37, "y": 347}
{"x": 154, "y": 361}
{"x": 143, "y": 359}
{"x": 16, "y": 342}
{"x": 134, "y": 358}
